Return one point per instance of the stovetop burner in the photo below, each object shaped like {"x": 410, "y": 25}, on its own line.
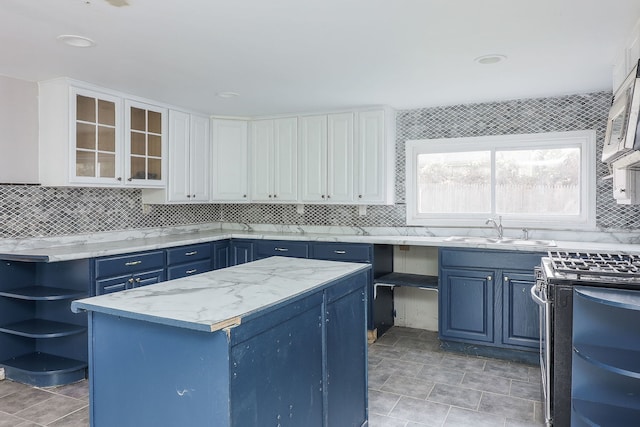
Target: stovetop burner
{"x": 611, "y": 265}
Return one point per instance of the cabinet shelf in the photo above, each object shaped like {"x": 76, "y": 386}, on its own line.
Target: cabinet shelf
{"x": 619, "y": 361}
{"x": 600, "y": 414}
{"x": 41, "y": 293}
{"x": 44, "y": 370}
{"x": 39, "y": 328}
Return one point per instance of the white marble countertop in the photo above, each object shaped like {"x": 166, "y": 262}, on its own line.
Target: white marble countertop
{"x": 55, "y": 249}
{"x": 222, "y": 298}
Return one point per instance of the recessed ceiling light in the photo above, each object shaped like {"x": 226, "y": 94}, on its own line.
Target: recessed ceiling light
{"x": 76, "y": 41}
{"x": 490, "y": 59}
{"x": 227, "y": 94}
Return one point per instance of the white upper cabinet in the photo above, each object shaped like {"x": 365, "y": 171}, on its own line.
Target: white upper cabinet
{"x": 326, "y": 158}
{"x": 229, "y": 161}
{"x": 93, "y": 137}
{"x": 145, "y": 144}
{"x": 274, "y": 145}
{"x": 375, "y": 157}
{"x": 188, "y": 172}
{"x": 348, "y": 158}
{"x": 627, "y": 57}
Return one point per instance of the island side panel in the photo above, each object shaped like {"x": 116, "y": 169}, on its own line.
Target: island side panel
{"x": 346, "y": 349}
{"x": 148, "y": 374}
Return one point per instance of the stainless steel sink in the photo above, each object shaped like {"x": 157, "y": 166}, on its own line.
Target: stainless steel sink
{"x": 504, "y": 240}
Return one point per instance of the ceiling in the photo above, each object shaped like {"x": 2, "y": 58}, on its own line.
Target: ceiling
{"x": 285, "y": 56}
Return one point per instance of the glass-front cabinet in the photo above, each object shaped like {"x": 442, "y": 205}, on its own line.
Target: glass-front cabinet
{"x": 145, "y": 141}
{"x": 95, "y": 137}
{"x": 91, "y": 136}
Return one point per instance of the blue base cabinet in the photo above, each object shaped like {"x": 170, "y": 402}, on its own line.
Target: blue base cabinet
{"x": 485, "y": 305}
{"x": 42, "y": 343}
{"x": 606, "y": 357}
{"x": 300, "y": 363}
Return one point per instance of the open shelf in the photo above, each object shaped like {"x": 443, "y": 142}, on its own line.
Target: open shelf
{"x": 44, "y": 370}
{"x": 39, "y": 328}
{"x": 406, "y": 279}
{"x": 619, "y": 361}
{"x": 602, "y": 414}
{"x": 41, "y": 293}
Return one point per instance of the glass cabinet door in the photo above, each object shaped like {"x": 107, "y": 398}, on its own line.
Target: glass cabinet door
{"x": 146, "y": 130}
{"x": 96, "y": 138}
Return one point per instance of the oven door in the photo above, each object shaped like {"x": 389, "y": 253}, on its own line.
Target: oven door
{"x": 540, "y": 296}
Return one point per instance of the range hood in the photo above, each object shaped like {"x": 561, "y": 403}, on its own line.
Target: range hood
{"x": 623, "y": 130}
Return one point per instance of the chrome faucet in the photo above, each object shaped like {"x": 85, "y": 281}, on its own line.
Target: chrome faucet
{"x": 496, "y": 225}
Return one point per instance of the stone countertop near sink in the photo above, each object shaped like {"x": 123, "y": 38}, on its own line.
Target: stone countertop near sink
{"x": 64, "y": 248}
{"x": 223, "y": 298}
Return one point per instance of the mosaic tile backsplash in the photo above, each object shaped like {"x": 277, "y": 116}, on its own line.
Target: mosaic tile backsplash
{"x": 32, "y": 211}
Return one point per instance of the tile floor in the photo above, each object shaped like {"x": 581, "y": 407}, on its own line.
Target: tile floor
{"x": 412, "y": 383}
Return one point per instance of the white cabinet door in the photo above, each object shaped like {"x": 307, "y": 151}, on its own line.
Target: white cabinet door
{"x": 374, "y": 158}
{"x": 262, "y": 160}
{"x": 145, "y": 144}
{"x": 340, "y": 171}
{"x": 229, "y": 161}
{"x": 313, "y": 159}
{"x": 199, "y": 156}
{"x": 285, "y": 160}
{"x": 179, "y": 186}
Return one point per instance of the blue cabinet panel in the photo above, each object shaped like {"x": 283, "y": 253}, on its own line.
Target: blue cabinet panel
{"x": 121, "y": 283}
{"x": 188, "y": 253}
{"x": 521, "y": 325}
{"x": 466, "y": 302}
{"x": 352, "y": 252}
{"x": 346, "y": 349}
{"x": 130, "y": 263}
{"x": 188, "y": 269}
{"x": 221, "y": 254}
{"x": 241, "y": 251}
{"x": 268, "y": 248}
{"x": 272, "y": 371}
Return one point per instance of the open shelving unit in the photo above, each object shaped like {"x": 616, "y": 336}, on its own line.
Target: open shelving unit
{"x": 42, "y": 343}
{"x": 606, "y": 357}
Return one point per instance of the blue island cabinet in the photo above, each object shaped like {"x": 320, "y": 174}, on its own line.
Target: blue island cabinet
{"x": 300, "y": 362}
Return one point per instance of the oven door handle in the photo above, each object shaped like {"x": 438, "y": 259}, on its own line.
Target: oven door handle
{"x": 537, "y": 298}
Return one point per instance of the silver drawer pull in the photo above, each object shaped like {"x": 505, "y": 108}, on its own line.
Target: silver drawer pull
{"x": 340, "y": 252}
{"x": 191, "y": 253}
{"x": 191, "y": 271}
{"x": 282, "y": 249}
{"x": 132, "y": 263}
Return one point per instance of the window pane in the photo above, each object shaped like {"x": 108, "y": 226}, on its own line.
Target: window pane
{"x": 544, "y": 181}
{"x": 454, "y": 182}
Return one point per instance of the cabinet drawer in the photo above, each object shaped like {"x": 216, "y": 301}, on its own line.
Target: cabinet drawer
{"x": 188, "y": 253}
{"x": 353, "y": 252}
{"x": 267, "y": 248}
{"x": 113, "y": 284}
{"x": 189, "y": 269}
{"x": 129, "y": 263}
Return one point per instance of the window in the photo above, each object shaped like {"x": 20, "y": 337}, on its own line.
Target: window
{"x": 537, "y": 180}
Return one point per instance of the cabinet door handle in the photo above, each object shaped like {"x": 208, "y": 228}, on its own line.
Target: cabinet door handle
{"x": 191, "y": 253}
{"x": 130, "y": 280}
{"x": 137, "y": 280}
{"x": 282, "y": 249}
{"x": 506, "y": 278}
{"x": 340, "y": 252}
{"x": 322, "y": 196}
{"x": 191, "y": 271}
{"x": 328, "y": 196}
{"x": 129, "y": 179}
{"x": 130, "y": 263}
{"x": 489, "y": 277}
{"x": 119, "y": 178}
{"x": 188, "y": 196}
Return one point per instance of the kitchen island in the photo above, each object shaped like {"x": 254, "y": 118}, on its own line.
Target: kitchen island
{"x": 280, "y": 341}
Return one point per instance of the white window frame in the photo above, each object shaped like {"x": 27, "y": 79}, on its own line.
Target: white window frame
{"x": 584, "y": 140}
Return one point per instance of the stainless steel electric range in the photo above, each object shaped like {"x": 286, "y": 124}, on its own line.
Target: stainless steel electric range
{"x": 556, "y": 277}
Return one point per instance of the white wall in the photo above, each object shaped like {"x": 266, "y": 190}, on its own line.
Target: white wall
{"x": 18, "y": 131}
